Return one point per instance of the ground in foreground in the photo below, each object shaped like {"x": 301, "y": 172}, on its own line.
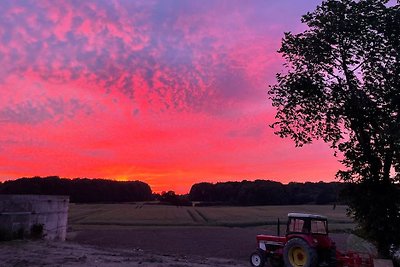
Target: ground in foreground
{"x": 67, "y": 254}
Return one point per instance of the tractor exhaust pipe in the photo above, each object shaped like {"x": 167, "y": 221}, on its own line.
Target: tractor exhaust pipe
{"x": 278, "y": 228}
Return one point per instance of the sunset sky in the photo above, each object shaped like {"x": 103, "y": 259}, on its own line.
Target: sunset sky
{"x": 170, "y": 92}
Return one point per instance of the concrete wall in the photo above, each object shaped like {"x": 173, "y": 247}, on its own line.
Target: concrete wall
{"x": 18, "y": 213}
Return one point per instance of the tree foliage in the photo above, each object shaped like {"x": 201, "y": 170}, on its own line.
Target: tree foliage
{"x": 80, "y": 190}
{"x": 265, "y": 192}
{"x": 171, "y": 198}
{"x": 342, "y": 85}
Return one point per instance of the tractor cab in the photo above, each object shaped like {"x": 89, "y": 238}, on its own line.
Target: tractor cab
{"x": 300, "y": 223}
{"x": 311, "y": 228}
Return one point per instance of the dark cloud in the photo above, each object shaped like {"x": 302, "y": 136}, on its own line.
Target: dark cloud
{"x": 32, "y": 113}
{"x": 25, "y": 113}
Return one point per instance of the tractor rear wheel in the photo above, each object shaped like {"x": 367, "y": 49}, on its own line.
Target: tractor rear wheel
{"x": 332, "y": 257}
{"x": 297, "y": 253}
{"x": 257, "y": 258}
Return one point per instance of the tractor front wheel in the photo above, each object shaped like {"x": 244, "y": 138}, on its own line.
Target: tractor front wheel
{"x": 257, "y": 258}
{"x": 297, "y": 253}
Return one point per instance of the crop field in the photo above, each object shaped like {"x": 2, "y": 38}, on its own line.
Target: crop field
{"x": 139, "y": 214}
{"x": 217, "y": 232}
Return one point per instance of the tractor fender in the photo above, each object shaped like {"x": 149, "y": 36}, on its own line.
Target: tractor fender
{"x": 270, "y": 243}
{"x": 309, "y": 239}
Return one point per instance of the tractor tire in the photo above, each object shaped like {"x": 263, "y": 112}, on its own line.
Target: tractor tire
{"x": 297, "y": 253}
{"x": 332, "y": 257}
{"x": 257, "y": 258}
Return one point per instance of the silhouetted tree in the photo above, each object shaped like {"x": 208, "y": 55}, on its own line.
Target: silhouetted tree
{"x": 80, "y": 190}
{"x": 202, "y": 192}
{"x": 342, "y": 85}
{"x": 170, "y": 197}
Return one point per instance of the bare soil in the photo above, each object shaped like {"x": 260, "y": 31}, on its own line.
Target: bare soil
{"x": 67, "y": 254}
{"x": 216, "y": 242}
{"x": 144, "y": 246}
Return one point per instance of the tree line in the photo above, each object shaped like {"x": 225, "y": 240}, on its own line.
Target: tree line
{"x": 80, "y": 190}
{"x": 266, "y": 192}
{"x": 259, "y": 192}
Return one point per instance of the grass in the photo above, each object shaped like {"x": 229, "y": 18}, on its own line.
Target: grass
{"x": 159, "y": 215}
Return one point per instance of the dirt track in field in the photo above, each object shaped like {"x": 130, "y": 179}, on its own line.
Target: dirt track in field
{"x": 214, "y": 242}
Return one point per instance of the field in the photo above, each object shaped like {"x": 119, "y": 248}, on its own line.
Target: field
{"x": 161, "y": 215}
{"x": 153, "y": 235}
{"x": 206, "y": 232}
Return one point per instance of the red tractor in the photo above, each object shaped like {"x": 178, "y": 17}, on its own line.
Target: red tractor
{"x": 306, "y": 244}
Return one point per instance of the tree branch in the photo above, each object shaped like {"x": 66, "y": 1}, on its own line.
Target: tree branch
{"x": 356, "y": 68}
